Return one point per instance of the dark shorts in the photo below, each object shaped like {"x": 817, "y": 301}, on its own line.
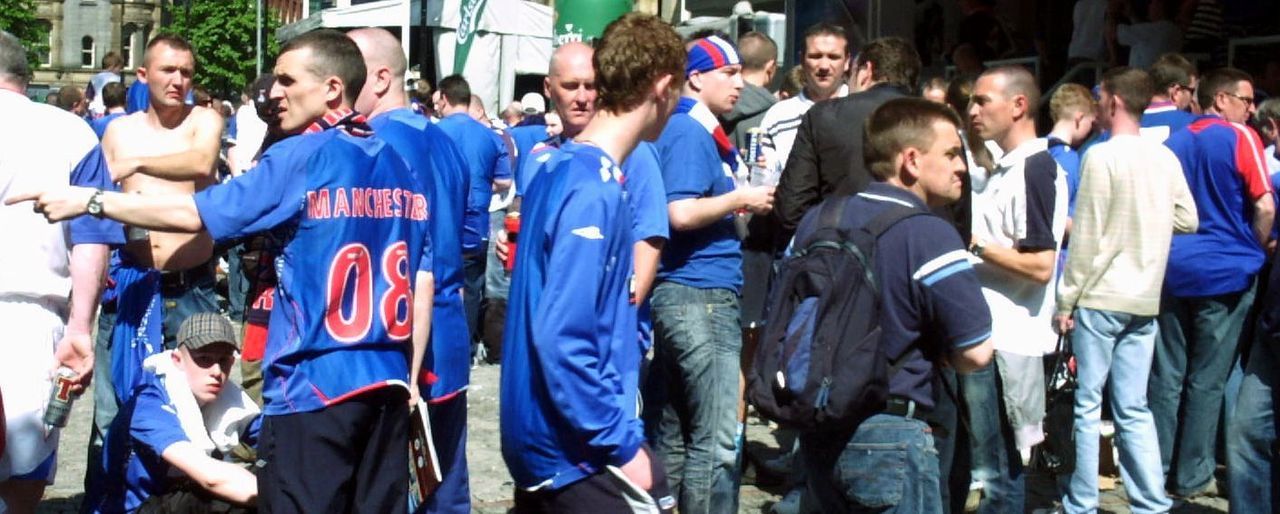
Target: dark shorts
{"x": 352, "y": 457}
{"x": 190, "y": 499}
{"x": 606, "y": 491}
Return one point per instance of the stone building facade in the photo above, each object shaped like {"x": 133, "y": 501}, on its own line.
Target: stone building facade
{"x": 81, "y": 32}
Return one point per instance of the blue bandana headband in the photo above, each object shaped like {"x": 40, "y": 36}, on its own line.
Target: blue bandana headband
{"x": 709, "y": 53}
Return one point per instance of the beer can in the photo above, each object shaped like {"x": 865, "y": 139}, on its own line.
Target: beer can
{"x": 58, "y": 411}
{"x": 755, "y": 145}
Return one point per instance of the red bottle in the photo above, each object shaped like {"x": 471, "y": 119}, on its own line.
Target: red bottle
{"x": 512, "y": 224}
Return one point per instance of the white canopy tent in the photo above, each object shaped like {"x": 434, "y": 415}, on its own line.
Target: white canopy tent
{"x": 512, "y": 37}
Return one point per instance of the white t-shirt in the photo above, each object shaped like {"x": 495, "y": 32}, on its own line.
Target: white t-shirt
{"x": 36, "y": 154}
{"x": 1273, "y": 164}
{"x": 1022, "y": 203}
{"x": 250, "y": 132}
{"x": 99, "y": 81}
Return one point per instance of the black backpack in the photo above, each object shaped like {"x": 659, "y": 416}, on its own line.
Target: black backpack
{"x": 819, "y": 365}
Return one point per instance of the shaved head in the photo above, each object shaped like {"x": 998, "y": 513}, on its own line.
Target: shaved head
{"x": 1017, "y": 80}
{"x": 380, "y": 48}
{"x": 571, "y": 86}
{"x": 569, "y": 58}
{"x": 385, "y": 66}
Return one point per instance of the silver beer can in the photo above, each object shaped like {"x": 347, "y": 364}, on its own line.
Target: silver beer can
{"x": 58, "y": 411}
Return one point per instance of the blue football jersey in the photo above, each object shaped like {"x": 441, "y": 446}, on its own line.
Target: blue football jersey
{"x": 433, "y": 158}
{"x": 570, "y": 355}
{"x": 355, "y": 222}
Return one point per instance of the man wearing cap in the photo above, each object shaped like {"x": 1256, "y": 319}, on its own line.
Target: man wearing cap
{"x": 165, "y": 446}
{"x": 698, "y": 341}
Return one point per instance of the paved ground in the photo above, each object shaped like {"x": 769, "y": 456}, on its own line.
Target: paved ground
{"x": 491, "y": 485}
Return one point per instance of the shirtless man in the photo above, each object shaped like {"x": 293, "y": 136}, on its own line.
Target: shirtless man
{"x": 161, "y": 277}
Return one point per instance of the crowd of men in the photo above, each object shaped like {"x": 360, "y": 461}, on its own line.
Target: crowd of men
{"x": 628, "y": 243}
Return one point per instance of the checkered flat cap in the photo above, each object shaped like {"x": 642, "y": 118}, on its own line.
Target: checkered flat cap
{"x": 205, "y": 328}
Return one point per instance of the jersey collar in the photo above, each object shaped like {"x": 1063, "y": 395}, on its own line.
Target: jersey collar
{"x": 1161, "y": 106}
{"x": 345, "y": 119}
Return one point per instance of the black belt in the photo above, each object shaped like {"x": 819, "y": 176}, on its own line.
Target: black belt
{"x": 898, "y": 406}
{"x": 186, "y": 278}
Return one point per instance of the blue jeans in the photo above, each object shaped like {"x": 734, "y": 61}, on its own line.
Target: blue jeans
{"x": 237, "y": 283}
{"x": 1194, "y": 353}
{"x": 104, "y": 403}
{"x": 698, "y": 346}
{"x": 1251, "y": 441}
{"x": 497, "y": 282}
{"x": 889, "y": 465}
{"x": 1119, "y": 346}
{"x": 994, "y": 458}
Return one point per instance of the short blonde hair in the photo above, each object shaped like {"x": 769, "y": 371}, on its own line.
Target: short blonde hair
{"x": 1070, "y": 99}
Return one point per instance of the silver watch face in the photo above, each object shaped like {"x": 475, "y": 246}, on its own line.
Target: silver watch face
{"x": 95, "y": 204}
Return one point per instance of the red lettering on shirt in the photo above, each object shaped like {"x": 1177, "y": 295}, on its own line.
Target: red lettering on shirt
{"x": 359, "y": 203}
{"x": 385, "y": 195}
{"x": 318, "y": 204}
{"x": 341, "y": 208}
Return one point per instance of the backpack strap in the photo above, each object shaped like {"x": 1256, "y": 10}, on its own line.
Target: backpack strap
{"x": 870, "y": 233}
{"x": 890, "y": 217}
{"x": 830, "y": 213}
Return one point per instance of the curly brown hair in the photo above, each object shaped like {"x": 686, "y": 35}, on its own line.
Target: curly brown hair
{"x": 635, "y": 51}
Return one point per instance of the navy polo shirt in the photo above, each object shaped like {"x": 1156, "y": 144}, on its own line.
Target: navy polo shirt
{"x": 930, "y": 296}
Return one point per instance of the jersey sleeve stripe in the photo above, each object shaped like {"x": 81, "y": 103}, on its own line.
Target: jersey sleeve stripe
{"x": 1251, "y": 155}
{"x": 933, "y": 278}
{"x": 940, "y": 262}
{"x": 965, "y": 343}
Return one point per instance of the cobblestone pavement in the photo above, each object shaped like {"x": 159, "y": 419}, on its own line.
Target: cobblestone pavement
{"x": 491, "y": 486}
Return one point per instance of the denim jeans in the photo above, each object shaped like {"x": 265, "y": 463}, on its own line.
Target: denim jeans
{"x": 1251, "y": 443}
{"x": 698, "y": 344}
{"x": 237, "y": 283}
{"x": 889, "y": 465}
{"x": 1194, "y": 353}
{"x": 994, "y": 458}
{"x": 1118, "y": 346}
{"x": 945, "y": 421}
{"x": 497, "y": 282}
{"x": 104, "y": 403}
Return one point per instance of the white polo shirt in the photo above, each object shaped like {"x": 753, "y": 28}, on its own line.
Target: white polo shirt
{"x": 1021, "y": 204}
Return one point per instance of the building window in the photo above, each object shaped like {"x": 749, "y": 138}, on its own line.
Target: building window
{"x": 126, "y": 44}
{"x": 46, "y": 52}
{"x": 88, "y": 52}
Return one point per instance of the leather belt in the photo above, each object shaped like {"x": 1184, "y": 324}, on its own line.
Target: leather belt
{"x": 906, "y": 408}
{"x": 187, "y": 278}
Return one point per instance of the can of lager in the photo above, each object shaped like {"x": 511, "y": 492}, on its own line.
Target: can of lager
{"x": 755, "y": 145}
{"x": 58, "y": 410}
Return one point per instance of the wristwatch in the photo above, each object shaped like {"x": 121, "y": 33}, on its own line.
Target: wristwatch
{"x": 94, "y": 207}
{"x": 976, "y": 249}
